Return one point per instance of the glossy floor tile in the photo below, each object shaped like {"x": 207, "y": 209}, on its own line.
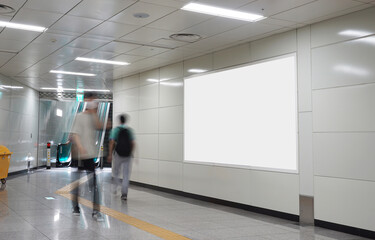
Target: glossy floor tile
{"x": 26, "y": 214}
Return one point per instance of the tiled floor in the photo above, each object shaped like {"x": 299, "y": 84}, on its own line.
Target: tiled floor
{"x": 26, "y": 214}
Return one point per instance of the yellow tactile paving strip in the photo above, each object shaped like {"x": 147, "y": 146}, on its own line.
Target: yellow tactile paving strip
{"x": 145, "y": 226}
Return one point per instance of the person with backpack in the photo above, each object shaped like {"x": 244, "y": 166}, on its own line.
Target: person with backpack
{"x": 121, "y": 146}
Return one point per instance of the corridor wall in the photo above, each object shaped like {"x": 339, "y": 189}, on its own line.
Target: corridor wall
{"x": 19, "y": 107}
{"x": 336, "y": 115}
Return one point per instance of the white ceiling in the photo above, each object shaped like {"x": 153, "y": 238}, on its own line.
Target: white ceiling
{"x": 107, "y": 29}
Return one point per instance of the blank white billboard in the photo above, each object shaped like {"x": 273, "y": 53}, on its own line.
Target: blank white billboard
{"x": 245, "y": 116}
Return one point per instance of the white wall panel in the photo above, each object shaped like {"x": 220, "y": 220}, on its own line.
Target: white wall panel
{"x": 148, "y": 171}
{"x": 147, "y": 146}
{"x": 149, "y": 96}
{"x": 276, "y": 191}
{"x": 4, "y": 120}
{"x": 273, "y": 46}
{"x": 358, "y": 24}
{"x": 148, "y": 121}
{"x": 117, "y": 86}
{"x": 231, "y": 56}
{"x": 133, "y": 120}
{"x": 345, "y": 155}
{"x": 171, "y": 93}
{"x": 130, "y": 82}
{"x": 342, "y": 64}
{"x": 229, "y": 184}
{"x": 306, "y": 164}
{"x": 171, "y": 120}
{"x": 171, "y": 147}
{"x": 128, "y": 100}
{"x": 346, "y": 202}
{"x": 170, "y": 175}
{"x": 304, "y": 69}
{"x": 134, "y": 174}
{"x": 197, "y": 179}
{"x": 344, "y": 109}
{"x": 204, "y": 62}
{"x": 171, "y": 71}
{"x": 149, "y": 77}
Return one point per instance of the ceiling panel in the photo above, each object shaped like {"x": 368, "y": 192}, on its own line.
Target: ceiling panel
{"x": 5, "y": 57}
{"x": 74, "y": 66}
{"x": 11, "y": 45}
{"x": 170, "y": 43}
{"x": 37, "y": 18}
{"x": 100, "y": 9}
{"x": 233, "y": 36}
{"x": 15, "y": 34}
{"x": 57, "y": 40}
{"x": 147, "y": 35}
{"x": 179, "y": 21}
{"x": 168, "y": 3}
{"x": 100, "y": 55}
{"x": 127, "y": 58}
{"x": 155, "y": 12}
{"x": 87, "y": 43}
{"x": 271, "y": 7}
{"x": 214, "y": 26}
{"x": 315, "y": 10}
{"x": 118, "y": 47}
{"x": 12, "y": 68}
{"x": 73, "y": 25}
{"x": 146, "y": 51}
{"x": 36, "y": 70}
{"x": 57, "y": 6}
{"x": 111, "y": 30}
{"x": 16, "y": 4}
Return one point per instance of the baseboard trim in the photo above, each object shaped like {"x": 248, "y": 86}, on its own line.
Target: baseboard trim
{"x": 273, "y": 213}
{"x": 346, "y": 229}
{"x": 22, "y": 172}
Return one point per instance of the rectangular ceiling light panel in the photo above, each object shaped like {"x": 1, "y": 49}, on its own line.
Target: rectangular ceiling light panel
{"x": 222, "y": 12}
{"x": 22, "y": 26}
{"x": 101, "y": 61}
{"x": 73, "y": 73}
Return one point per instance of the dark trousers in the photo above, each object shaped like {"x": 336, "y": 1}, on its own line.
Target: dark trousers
{"x": 87, "y": 165}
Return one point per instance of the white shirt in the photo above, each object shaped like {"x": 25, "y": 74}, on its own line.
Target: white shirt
{"x": 84, "y": 127}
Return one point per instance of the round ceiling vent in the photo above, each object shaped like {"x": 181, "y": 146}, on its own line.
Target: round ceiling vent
{"x": 185, "y": 37}
{"x": 4, "y": 9}
{"x": 141, "y": 15}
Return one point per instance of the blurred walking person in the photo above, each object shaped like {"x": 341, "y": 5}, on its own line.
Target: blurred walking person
{"x": 85, "y": 150}
{"x": 121, "y": 146}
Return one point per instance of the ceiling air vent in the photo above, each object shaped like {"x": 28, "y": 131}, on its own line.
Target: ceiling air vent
{"x": 4, "y": 9}
{"x": 185, "y": 37}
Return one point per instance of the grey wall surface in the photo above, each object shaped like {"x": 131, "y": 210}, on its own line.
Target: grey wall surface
{"x": 19, "y": 122}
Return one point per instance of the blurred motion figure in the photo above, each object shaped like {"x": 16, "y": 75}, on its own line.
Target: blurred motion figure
{"x": 121, "y": 146}
{"x": 85, "y": 150}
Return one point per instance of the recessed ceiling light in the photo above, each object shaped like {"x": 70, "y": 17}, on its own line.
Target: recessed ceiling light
{"x": 73, "y": 73}
{"x": 141, "y": 15}
{"x": 73, "y": 89}
{"x": 196, "y": 70}
{"x": 12, "y": 87}
{"x": 22, "y": 26}
{"x": 101, "y": 61}
{"x": 222, "y": 12}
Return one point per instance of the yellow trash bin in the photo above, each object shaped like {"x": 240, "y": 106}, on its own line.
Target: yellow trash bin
{"x": 4, "y": 163}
